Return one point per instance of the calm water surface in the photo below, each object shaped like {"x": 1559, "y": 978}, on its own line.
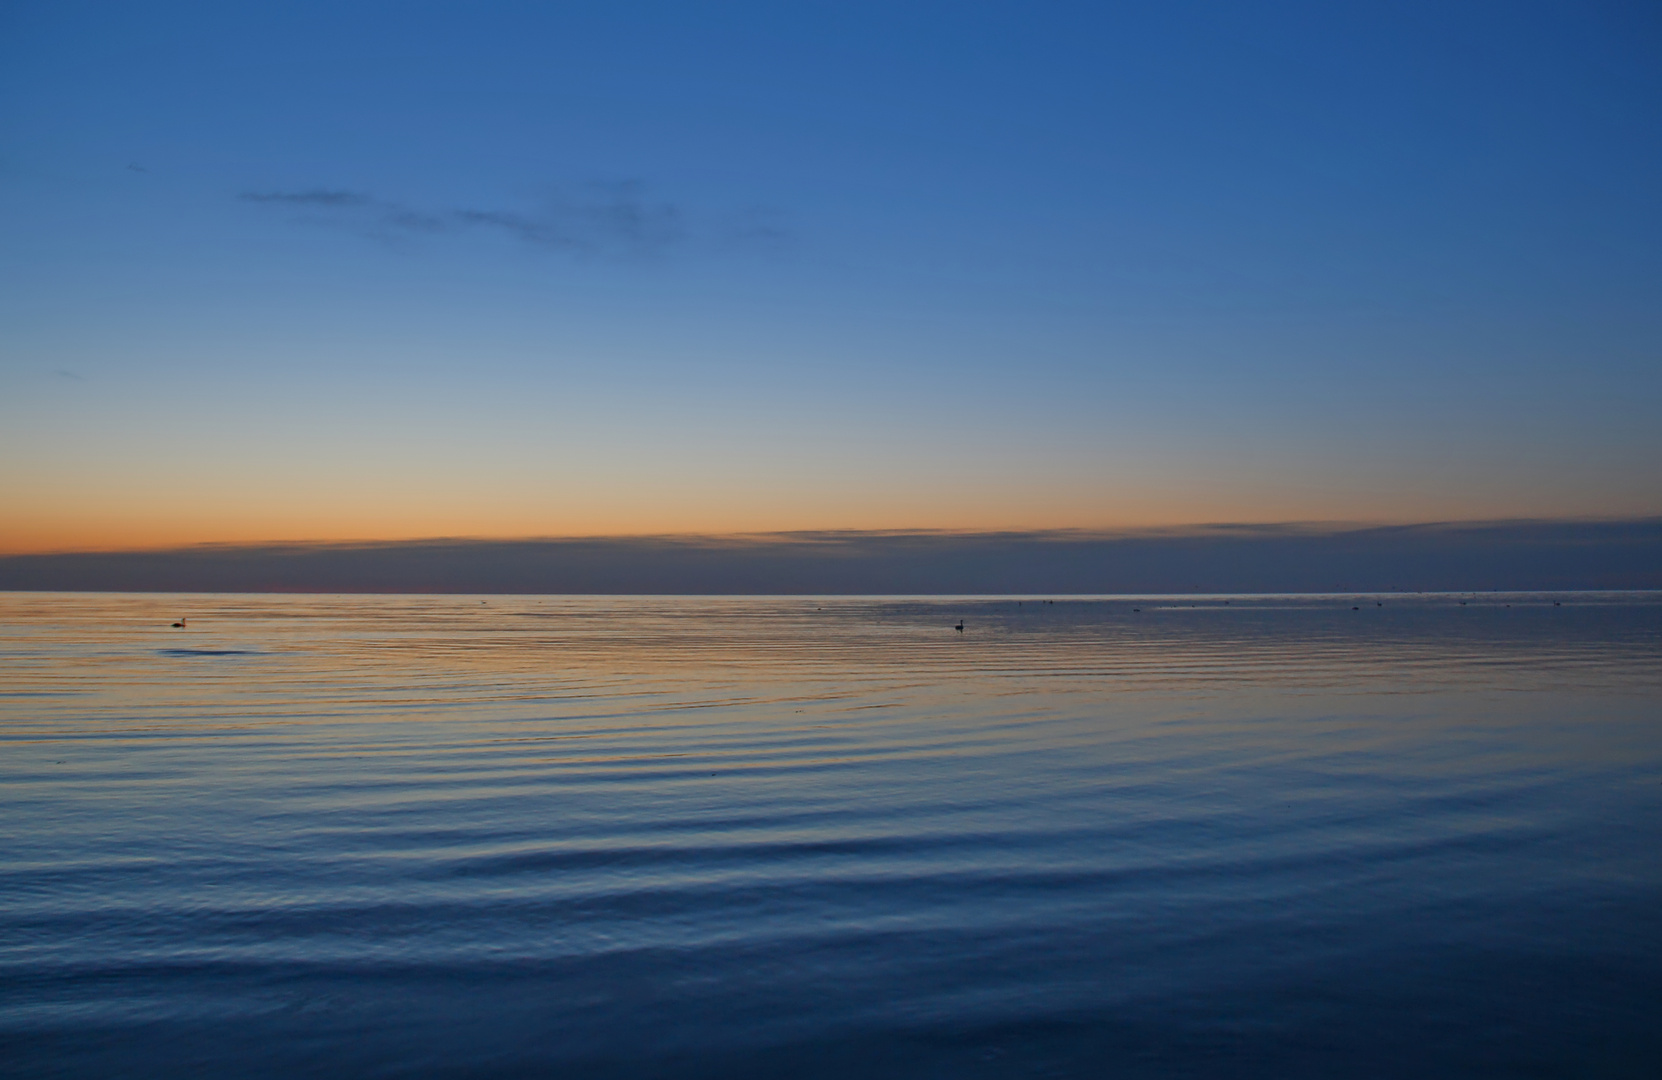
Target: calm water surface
{"x": 664, "y": 836}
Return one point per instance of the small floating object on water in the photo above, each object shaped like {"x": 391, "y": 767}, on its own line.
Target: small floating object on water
{"x": 960, "y": 626}
{"x": 1356, "y": 609}
{"x": 180, "y": 624}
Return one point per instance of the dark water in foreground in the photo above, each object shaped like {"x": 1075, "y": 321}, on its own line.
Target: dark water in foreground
{"x": 597, "y": 836}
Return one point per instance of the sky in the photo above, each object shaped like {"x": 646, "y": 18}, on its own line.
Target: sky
{"x": 388, "y": 271}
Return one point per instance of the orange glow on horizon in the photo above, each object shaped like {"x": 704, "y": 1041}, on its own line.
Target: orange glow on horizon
{"x": 125, "y": 525}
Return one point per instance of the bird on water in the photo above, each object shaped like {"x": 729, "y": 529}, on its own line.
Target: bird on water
{"x": 180, "y": 625}
{"x": 960, "y": 626}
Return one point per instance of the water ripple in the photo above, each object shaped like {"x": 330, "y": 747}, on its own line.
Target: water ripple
{"x": 822, "y": 836}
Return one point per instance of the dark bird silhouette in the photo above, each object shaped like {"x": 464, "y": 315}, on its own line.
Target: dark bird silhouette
{"x": 180, "y": 624}
{"x": 960, "y": 626}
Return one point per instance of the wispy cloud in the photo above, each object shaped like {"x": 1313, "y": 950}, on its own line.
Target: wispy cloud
{"x": 314, "y": 197}
{"x": 595, "y": 219}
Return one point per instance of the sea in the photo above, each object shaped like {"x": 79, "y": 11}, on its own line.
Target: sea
{"x": 1359, "y": 835}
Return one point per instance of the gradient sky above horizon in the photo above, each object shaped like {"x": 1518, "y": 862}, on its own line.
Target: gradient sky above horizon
{"x": 318, "y": 271}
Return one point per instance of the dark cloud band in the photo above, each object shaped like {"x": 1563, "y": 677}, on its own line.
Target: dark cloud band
{"x": 1507, "y": 555}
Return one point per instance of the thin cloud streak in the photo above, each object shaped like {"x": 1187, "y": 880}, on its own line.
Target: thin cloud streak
{"x": 604, "y": 218}
{"x": 315, "y": 197}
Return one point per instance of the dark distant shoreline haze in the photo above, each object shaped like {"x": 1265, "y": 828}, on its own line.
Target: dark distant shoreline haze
{"x": 1559, "y": 555}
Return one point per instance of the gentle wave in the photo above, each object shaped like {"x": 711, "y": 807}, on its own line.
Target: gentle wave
{"x": 813, "y": 835}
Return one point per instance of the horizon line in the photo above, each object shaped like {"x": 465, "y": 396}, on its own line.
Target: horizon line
{"x": 1296, "y": 527}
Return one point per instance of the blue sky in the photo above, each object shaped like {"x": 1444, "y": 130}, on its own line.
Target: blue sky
{"x": 328, "y": 271}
